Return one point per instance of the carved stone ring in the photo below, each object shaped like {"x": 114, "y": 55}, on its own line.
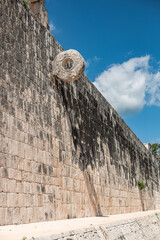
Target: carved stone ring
{"x": 68, "y": 66}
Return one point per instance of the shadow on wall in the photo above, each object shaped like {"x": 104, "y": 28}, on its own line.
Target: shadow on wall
{"x": 141, "y": 194}
{"x": 85, "y": 123}
{"x": 146, "y": 205}
{"x": 85, "y": 150}
{"x": 92, "y": 193}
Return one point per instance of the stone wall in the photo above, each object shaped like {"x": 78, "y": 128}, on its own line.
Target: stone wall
{"x": 64, "y": 151}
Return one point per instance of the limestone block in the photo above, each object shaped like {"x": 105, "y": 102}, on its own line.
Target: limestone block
{"x": 35, "y": 214}
{"x": 11, "y": 199}
{"x": 27, "y": 176}
{"x": 17, "y": 175}
{"x": 10, "y": 185}
{"x": 66, "y": 171}
{"x": 9, "y": 216}
{"x": 23, "y": 214}
{"x": 13, "y": 147}
{"x": 16, "y": 214}
{"x": 2, "y": 184}
{"x": 2, "y": 216}
{"x": 59, "y": 209}
{"x": 3, "y": 199}
{"x": 21, "y": 152}
{"x": 58, "y": 193}
{"x": 26, "y": 187}
{"x": 40, "y": 200}
{"x": 3, "y": 162}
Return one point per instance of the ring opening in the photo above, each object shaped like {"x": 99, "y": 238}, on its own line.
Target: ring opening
{"x": 67, "y": 64}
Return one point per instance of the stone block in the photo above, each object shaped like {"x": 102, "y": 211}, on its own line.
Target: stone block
{"x": 23, "y": 215}
{"x": 2, "y": 184}
{"x": 2, "y": 216}
{"x": 9, "y": 219}
{"x": 19, "y": 187}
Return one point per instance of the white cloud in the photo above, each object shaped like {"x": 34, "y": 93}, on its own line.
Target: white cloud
{"x": 153, "y": 89}
{"x": 96, "y": 59}
{"x": 130, "y": 85}
{"x": 52, "y": 26}
{"x": 87, "y": 62}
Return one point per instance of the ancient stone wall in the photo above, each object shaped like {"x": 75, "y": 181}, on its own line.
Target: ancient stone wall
{"x": 64, "y": 151}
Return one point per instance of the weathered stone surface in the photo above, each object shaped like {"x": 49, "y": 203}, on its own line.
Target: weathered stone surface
{"x": 38, "y": 8}
{"x": 64, "y": 151}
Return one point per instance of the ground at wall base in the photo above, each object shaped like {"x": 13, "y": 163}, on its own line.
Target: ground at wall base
{"x": 131, "y": 226}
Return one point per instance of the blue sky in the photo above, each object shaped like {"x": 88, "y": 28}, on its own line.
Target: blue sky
{"x": 120, "y": 42}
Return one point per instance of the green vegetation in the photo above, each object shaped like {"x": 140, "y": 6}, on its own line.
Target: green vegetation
{"x": 25, "y": 238}
{"x": 141, "y": 185}
{"x": 25, "y": 4}
{"x": 155, "y": 148}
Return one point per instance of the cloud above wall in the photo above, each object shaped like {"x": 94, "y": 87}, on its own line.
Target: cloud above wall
{"x": 52, "y": 26}
{"x": 130, "y": 85}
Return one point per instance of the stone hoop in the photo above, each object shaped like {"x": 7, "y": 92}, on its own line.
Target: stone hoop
{"x": 68, "y": 66}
